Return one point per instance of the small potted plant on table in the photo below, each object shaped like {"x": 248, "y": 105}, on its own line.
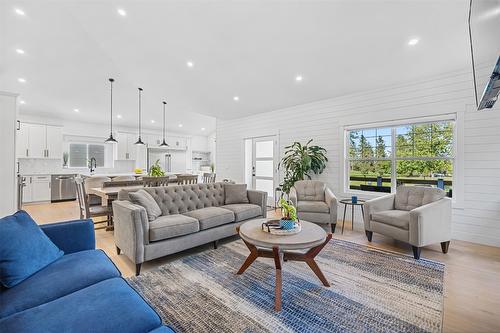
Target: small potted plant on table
{"x": 289, "y": 215}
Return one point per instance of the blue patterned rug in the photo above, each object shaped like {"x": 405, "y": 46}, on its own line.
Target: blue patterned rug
{"x": 371, "y": 291}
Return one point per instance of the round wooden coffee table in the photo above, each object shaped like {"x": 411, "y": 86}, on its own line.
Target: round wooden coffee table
{"x": 262, "y": 244}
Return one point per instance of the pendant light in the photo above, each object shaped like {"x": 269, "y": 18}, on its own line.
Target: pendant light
{"x": 111, "y": 139}
{"x": 164, "y": 143}
{"x": 139, "y": 140}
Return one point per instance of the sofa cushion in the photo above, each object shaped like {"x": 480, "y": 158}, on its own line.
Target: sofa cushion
{"x": 70, "y": 273}
{"x": 24, "y": 249}
{"x": 235, "y": 194}
{"x": 411, "y": 197}
{"x": 211, "y": 216}
{"x": 144, "y": 199}
{"x": 244, "y": 211}
{"x": 396, "y": 218}
{"x": 108, "y": 306}
{"x": 313, "y": 207}
{"x": 310, "y": 190}
{"x": 171, "y": 226}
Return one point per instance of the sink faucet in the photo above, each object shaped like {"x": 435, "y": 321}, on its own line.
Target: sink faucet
{"x": 92, "y": 164}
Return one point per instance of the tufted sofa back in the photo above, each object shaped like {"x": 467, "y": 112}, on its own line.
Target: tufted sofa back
{"x": 179, "y": 199}
{"x": 411, "y": 197}
{"x": 310, "y": 190}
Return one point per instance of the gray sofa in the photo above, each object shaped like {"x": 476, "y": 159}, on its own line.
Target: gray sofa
{"x": 416, "y": 215}
{"x": 315, "y": 202}
{"x": 191, "y": 215}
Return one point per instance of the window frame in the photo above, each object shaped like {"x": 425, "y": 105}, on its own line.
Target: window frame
{"x": 394, "y": 158}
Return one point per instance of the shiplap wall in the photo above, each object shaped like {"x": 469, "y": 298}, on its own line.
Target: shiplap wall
{"x": 476, "y": 215}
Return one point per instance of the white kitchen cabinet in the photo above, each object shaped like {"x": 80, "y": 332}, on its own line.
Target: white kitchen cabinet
{"x": 22, "y": 140}
{"x": 38, "y": 141}
{"x": 37, "y": 189}
{"x": 54, "y": 141}
{"x": 127, "y": 150}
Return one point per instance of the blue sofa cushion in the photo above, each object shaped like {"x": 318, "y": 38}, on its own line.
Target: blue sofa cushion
{"x": 70, "y": 273}
{"x": 108, "y": 306}
{"x": 24, "y": 249}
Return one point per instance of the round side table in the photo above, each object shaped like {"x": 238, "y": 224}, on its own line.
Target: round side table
{"x": 348, "y": 202}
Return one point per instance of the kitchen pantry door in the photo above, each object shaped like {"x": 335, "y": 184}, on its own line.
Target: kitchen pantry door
{"x": 264, "y": 173}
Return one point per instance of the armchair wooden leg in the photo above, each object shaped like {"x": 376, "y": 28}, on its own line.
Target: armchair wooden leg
{"x": 333, "y": 225}
{"x": 416, "y": 252}
{"x": 118, "y": 250}
{"x": 445, "y": 246}
{"x": 216, "y": 243}
{"x": 369, "y": 235}
{"x": 137, "y": 269}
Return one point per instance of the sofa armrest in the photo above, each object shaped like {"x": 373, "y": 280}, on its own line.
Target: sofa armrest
{"x": 131, "y": 229}
{"x": 331, "y": 201}
{"x": 376, "y": 205}
{"x": 258, "y": 198}
{"x": 431, "y": 223}
{"x": 292, "y": 196}
{"x": 71, "y": 236}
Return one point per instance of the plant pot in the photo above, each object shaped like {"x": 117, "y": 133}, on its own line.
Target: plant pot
{"x": 287, "y": 224}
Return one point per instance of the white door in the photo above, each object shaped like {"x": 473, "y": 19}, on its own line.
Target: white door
{"x": 264, "y": 166}
{"x": 37, "y": 140}
{"x": 54, "y": 142}
{"x": 22, "y": 140}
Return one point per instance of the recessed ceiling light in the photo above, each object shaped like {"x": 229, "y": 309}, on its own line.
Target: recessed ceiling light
{"x": 20, "y": 51}
{"x": 21, "y": 80}
{"x": 203, "y": 128}
{"x": 22, "y": 102}
{"x": 189, "y": 64}
{"x": 19, "y": 11}
{"x": 119, "y": 116}
{"x": 298, "y": 78}
{"x": 180, "y": 125}
{"x": 413, "y": 41}
{"x": 122, "y": 12}
{"x": 76, "y": 110}
{"x": 152, "y": 121}
{"x": 236, "y": 98}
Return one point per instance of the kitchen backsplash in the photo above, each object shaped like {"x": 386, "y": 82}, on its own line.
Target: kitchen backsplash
{"x": 33, "y": 166}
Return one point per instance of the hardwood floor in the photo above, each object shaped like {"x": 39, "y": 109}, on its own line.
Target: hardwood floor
{"x": 472, "y": 278}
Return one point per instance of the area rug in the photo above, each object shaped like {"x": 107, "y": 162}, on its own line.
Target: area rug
{"x": 371, "y": 291}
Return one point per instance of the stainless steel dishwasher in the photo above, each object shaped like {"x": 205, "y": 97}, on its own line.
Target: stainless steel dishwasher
{"x": 63, "y": 188}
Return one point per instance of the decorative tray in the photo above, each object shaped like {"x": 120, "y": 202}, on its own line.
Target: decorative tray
{"x": 273, "y": 227}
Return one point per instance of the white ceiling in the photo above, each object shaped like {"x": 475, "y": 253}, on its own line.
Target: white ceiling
{"x": 250, "y": 49}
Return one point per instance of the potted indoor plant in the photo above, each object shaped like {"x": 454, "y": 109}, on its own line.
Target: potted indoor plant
{"x": 289, "y": 215}
{"x": 155, "y": 170}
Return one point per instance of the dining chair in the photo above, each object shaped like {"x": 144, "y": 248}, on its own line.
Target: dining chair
{"x": 91, "y": 182}
{"x": 149, "y": 181}
{"x": 123, "y": 183}
{"x": 123, "y": 178}
{"x": 187, "y": 179}
{"x": 208, "y": 177}
{"x": 89, "y": 212}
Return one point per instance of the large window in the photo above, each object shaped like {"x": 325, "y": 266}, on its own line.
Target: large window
{"x": 380, "y": 159}
{"x": 81, "y": 153}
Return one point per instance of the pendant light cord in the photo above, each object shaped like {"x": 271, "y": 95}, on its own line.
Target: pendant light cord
{"x": 111, "y": 105}
{"x": 164, "y": 103}
{"x": 140, "y": 91}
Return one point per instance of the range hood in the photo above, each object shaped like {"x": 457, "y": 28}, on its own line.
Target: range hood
{"x": 484, "y": 26}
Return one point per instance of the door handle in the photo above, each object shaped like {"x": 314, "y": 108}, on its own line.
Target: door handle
{"x": 27, "y": 152}
{"x": 18, "y": 125}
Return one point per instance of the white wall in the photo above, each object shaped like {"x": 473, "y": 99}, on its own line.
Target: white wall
{"x": 476, "y": 215}
{"x": 8, "y": 191}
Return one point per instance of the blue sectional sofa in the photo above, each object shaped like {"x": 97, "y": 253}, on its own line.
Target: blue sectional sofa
{"x": 83, "y": 291}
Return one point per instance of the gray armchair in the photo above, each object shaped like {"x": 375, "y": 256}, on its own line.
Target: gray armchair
{"x": 419, "y": 216}
{"x": 315, "y": 202}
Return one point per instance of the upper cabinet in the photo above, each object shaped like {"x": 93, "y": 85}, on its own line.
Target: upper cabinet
{"x": 38, "y": 141}
{"x": 126, "y": 148}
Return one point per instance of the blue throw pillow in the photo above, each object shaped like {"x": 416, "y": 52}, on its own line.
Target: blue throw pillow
{"x": 24, "y": 249}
